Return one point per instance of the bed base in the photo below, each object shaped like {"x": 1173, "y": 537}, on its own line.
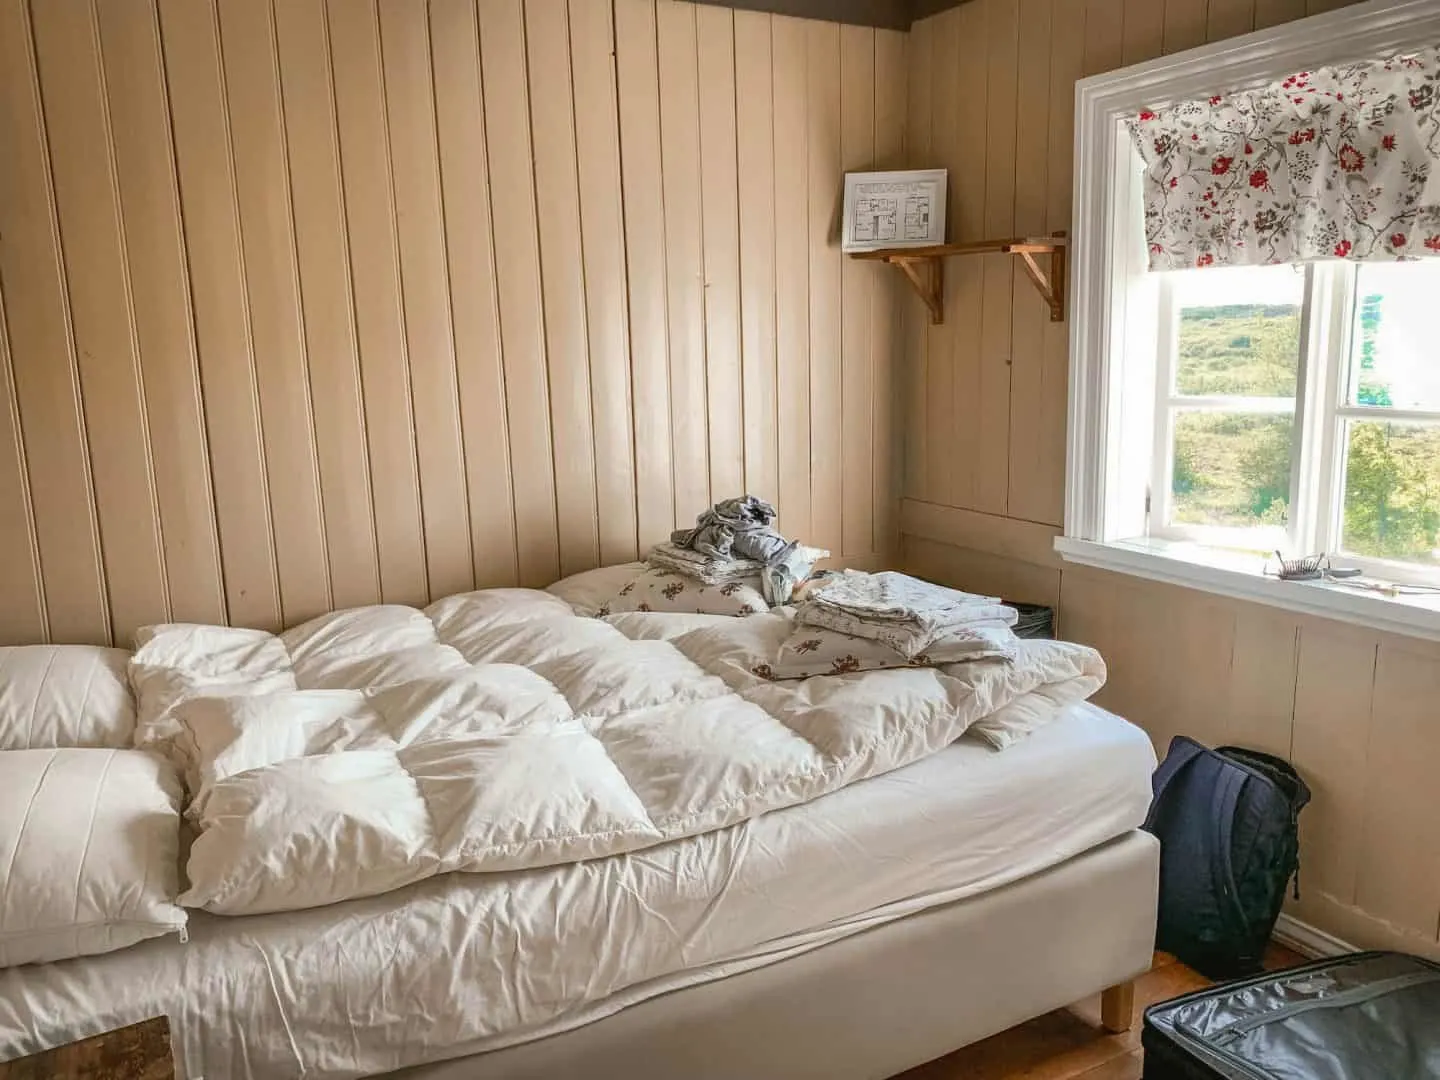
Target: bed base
{"x": 884, "y": 1000}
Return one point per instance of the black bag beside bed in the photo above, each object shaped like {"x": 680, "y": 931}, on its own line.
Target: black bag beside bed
{"x": 1365, "y": 1016}
{"x": 1227, "y": 824}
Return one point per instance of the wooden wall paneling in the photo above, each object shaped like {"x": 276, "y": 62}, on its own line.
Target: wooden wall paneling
{"x": 857, "y": 289}
{"x": 1144, "y": 31}
{"x": 965, "y": 419}
{"x": 1229, "y": 18}
{"x": 1105, "y": 35}
{"x": 1085, "y": 615}
{"x": 990, "y": 484}
{"x": 22, "y": 597}
{"x": 684, "y": 254}
{"x": 1261, "y": 710}
{"x": 888, "y": 294}
{"x": 93, "y": 257}
{"x": 914, "y": 359}
{"x": 1200, "y": 662}
{"x": 513, "y": 215}
{"x": 209, "y": 206}
{"x": 323, "y": 257}
{"x": 1319, "y": 7}
{"x": 602, "y": 226}
{"x": 374, "y": 269}
{"x": 1274, "y": 12}
{"x": 980, "y": 571}
{"x": 720, "y": 228}
{"x": 1399, "y": 871}
{"x": 1026, "y": 441}
{"x": 160, "y": 306}
{"x": 638, "y": 82}
{"x": 1334, "y": 689}
{"x": 1185, "y": 24}
{"x": 944, "y": 109}
{"x": 267, "y": 253}
{"x": 557, "y": 203}
{"x": 425, "y": 296}
{"x": 789, "y": 94}
{"x": 826, "y": 317}
{"x": 1067, "y": 59}
{"x": 42, "y": 357}
{"x": 474, "y": 300}
{"x": 755, "y": 163}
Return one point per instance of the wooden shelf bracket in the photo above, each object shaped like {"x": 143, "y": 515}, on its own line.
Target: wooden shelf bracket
{"x": 929, "y": 283}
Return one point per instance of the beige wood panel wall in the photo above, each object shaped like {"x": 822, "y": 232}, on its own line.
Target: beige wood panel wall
{"x": 984, "y": 470}
{"x": 309, "y": 304}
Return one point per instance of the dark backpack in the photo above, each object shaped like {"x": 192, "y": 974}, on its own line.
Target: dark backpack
{"x": 1227, "y": 821}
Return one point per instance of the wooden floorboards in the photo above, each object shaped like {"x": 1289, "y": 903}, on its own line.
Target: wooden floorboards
{"x": 1069, "y": 1044}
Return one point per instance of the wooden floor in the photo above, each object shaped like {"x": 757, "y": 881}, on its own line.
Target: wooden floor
{"x": 1069, "y": 1044}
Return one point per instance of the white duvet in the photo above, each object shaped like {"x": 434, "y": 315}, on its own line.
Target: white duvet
{"x": 499, "y": 730}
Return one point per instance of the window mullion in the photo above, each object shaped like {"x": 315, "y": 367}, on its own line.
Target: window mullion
{"x": 1161, "y": 463}
{"x": 1326, "y": 445}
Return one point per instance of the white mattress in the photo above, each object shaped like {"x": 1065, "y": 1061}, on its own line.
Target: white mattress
{"x": 465, "y": 963}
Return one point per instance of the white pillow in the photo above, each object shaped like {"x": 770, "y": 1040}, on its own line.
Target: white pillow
{"x": 588, "y": 590}
{"x": 90, "y": 842}
{"x": 666, "y": 591}
{"x": 64, "y": 695}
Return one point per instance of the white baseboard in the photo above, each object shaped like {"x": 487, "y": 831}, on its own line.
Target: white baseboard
{"x": 1307, "y": 940}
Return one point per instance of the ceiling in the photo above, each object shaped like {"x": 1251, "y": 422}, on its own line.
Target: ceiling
{"x": 892, "y": 14}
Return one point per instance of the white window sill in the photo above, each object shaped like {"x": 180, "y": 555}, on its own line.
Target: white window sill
{"x": 1242, "y": 577}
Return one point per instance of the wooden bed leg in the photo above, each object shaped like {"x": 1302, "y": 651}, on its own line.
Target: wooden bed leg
{"x": 1117, "y": 1008}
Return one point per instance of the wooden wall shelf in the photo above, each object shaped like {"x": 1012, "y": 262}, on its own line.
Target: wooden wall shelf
{"x": 930, "y": 285}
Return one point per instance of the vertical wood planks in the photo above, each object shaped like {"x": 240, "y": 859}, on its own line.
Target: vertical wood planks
{"x": 1229, "y": 18}
{"x": 1261, "y": 709}
{"x": 857, "y": 288}
{"x": 374, "y": 268}
{"x": 141, "y": 139}
{"x": 513, "y": 214}
{"x": 474, "y": 303}
{"x": 1028, "y": 441}
{"x": 1274, "y": 12}
{"x": 822, "y": 59}
{"x": 1185, "y": 25}
{"x": 638, "y": 88}
{"x": 990, "y": 476}
{"x": 208, "y": 201}
{"x": 597, "y": 145}
{"x": 42, "y": 357}
{"x": 22, "y": 600}
{"x": 888, "y": 293}
{"x": 945, "y": 104}
{"x": 557, "y": 206}
{"x": 755, "y": 166}
{"x": 720, "y": 232}
{"x": 914, "y": 359}
{"x": 684, "y": 254}
{"x": 1144, "y": 32}
{"x": 93, "y": 257}
{"x": 323, "y": 260}
{"x": 789, "y": 93}
{"x": 267, "y": 254}
{"x": 425, "y": 298}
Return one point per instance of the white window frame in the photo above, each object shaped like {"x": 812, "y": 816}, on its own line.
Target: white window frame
{"x": 1114, "y": 306}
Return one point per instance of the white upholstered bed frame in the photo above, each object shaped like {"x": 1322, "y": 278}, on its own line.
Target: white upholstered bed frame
{"x": 883, "y": 1000}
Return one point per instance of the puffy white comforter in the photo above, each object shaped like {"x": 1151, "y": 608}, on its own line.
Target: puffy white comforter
{"x": 499, "y": 730}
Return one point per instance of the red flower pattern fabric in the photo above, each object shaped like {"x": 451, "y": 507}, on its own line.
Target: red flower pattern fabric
{"x": 1341, "y": 162}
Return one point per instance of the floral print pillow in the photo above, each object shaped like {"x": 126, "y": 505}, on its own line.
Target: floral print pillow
{"x": 813, "y": 650}
{"x": 667, "y": 591}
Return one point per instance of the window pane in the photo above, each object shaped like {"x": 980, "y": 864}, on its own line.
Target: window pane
{"x": 1230, "y": 469}
{"x": 1392, "y": 491}
{"x": 1396, "y": 334}
{"x": 1239, "y": 331}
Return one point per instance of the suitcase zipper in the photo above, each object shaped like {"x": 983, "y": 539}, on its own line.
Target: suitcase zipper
{"x": 1354, "y": 996}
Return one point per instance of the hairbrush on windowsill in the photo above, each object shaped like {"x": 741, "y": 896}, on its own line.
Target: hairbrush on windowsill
{"x": 1312, "y": 568}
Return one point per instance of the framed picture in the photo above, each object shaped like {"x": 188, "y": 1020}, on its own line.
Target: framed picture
{"x": 893, "y": 209}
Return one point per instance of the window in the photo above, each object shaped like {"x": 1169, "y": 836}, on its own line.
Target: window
{"x": 1218, "y": 414}
{"x": 1272, "y": 433}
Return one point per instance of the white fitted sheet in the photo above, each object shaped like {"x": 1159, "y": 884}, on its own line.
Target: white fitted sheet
{"x": 466, "y": 963}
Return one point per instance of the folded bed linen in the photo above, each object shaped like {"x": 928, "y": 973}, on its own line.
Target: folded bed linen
{"x": 708, "y": 569}
{"x": 909, "y": 615}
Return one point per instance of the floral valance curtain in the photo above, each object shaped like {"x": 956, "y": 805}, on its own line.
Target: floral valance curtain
{"x": 1342, "y": 162}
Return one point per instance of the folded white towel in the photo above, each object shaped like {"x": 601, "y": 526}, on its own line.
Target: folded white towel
{"x": 909, "y": 615}
{"x": 710, "y": 569}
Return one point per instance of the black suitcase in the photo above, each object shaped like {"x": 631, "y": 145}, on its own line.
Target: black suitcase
{"x": 1366, "y": 1016}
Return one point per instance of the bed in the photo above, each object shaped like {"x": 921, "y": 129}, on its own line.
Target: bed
{"x": 857, "y": 935}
